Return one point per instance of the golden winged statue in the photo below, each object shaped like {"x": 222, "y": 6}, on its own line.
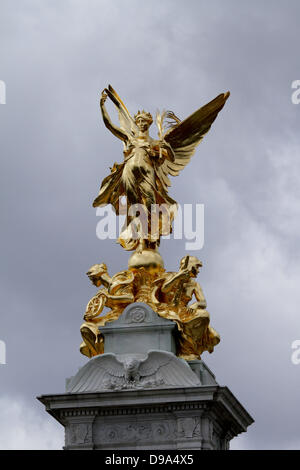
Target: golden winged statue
{"x": 143, "y": 176}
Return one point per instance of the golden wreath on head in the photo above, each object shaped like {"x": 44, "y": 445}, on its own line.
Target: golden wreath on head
{"x": 144, "y": 115}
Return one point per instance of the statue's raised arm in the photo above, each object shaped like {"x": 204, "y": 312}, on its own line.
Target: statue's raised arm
{"x": 117, "y": 131}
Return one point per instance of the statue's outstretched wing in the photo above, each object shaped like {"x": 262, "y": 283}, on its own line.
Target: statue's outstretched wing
{"x": 166, "y": 367}
{"x": 127, "y": 123}
{"x": 93, "y": 375}
{"x": 153, "y": 362}
{"x": 185, "y": 136}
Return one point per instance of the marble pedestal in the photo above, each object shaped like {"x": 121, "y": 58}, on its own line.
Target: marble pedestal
{"x": 139, "y": 395}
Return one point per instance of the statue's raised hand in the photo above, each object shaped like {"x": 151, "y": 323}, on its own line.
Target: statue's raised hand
{"x": 103, "y": 98}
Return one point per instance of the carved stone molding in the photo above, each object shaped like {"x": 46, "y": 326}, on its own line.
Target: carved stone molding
{"x": 195, "y": 417}
{"x": 137, "y": 315}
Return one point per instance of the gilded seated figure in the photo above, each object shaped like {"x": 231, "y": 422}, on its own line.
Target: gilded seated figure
{"x": 116, "y": 295}
{"x": 171, "y": 296}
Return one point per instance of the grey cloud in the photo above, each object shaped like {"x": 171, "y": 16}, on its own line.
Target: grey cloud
{"x": 55, "y": 58}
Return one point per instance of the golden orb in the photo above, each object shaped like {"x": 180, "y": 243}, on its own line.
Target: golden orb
{"x": 149, "y": 259}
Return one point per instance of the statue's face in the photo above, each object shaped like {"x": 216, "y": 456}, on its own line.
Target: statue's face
{"x": 195, "y": 271}
{"x": 95, "y": 272}
{"x": 193, "y": 266}
{"x": 142, "y": 123}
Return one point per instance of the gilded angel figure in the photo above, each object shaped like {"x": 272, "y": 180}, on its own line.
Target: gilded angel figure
{"x": 143, "y": 176}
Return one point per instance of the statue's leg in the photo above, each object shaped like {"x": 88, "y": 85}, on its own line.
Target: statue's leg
{"x": 93, "y": 342}
{"x": 213, "y": 339}
{"x": 152, "y": 220}
{"x": 194, "y": 333}
{"x": 198, "y": 324}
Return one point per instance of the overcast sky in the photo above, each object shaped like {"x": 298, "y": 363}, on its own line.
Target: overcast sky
{"x": 55, "y": 58}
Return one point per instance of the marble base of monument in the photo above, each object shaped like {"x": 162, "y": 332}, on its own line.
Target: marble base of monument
{"x": 139, "y": 395}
